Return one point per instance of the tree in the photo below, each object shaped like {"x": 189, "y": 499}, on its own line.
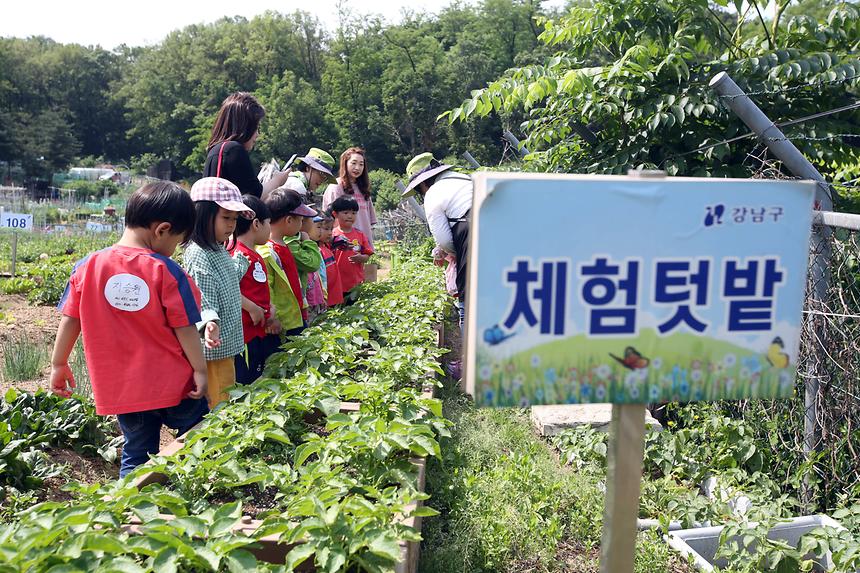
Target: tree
{"x": 295, "y": 118}
{"x": 628, "y": 87}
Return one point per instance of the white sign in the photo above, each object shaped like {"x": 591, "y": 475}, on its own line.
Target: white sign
{"x": 18, "y": 221}
{"x": 98, "y": 227}
{"x": 635, "y": 290}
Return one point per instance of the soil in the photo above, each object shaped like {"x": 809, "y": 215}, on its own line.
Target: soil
{"x": 254, "y": 501}
{"x": 36, "y": 324}
{"x": 85, "y": 469}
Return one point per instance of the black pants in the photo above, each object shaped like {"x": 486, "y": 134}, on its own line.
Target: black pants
{"x": 259, "y": 349}
{"x": 460, "y": 231}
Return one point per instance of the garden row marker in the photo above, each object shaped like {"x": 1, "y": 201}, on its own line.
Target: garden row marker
{"x": 633, "y": 290}
{"x": 769, "y": 134}
{"x": 16, "y": 222}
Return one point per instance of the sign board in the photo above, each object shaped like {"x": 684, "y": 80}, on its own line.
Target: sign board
{"x": 18, "y": 221}
{"x": 98, "y": 227}
{"x": 587, "y": 289}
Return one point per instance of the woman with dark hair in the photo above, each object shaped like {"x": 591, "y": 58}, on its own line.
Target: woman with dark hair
{"x": 354, "y": 182}
{"x": 233, "y": 136}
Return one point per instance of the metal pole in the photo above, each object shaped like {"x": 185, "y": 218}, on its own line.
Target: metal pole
{"x": 512, "y": 139}
{"x": 769, "y": 134}
{"x": 471, "y": 160}
{"x": 785, "y": 151}
{"x": 413, "y": 204}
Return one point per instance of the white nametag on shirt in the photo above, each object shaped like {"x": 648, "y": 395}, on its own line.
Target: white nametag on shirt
{"x": 127, "y": 292}
{"x": 259, "y": 273}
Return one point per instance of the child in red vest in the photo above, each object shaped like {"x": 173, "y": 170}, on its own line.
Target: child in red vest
{"x": 257, "y": 312}
{"x": 334, "y": 288}
{"x": 285, "y": 287}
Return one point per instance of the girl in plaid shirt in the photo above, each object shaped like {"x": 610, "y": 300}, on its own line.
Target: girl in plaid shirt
{"x": 218, "y": 204}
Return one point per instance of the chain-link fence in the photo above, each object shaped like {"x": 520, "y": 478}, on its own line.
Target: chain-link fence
{"x": 401, "y": 225}
{"x": 815, "y": 435}
{"x": 829, "y": 358}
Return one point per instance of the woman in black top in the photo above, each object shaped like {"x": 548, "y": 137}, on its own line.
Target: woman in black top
{"x": 233, "y": 136}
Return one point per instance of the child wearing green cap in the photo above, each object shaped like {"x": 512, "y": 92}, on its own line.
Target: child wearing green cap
{"x": 312, "y": 170}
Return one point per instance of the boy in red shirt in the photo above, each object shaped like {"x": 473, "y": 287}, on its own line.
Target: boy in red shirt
{"x": 350, "y": 258}
{"x": 259, "y": 327}
{"x": 137, "y": 311}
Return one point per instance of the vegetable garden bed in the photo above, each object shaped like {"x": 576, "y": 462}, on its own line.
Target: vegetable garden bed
{"x": 330, "y": 490}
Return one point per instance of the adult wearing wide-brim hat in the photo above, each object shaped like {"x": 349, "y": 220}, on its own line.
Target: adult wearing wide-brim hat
{"x": 447, "y": 201}
{"x": 312, "y": 170}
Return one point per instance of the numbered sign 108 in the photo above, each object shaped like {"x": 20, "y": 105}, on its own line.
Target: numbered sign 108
{"x": 19, "y": 221}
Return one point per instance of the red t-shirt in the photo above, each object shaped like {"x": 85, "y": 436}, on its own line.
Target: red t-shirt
{"x": 351, "y": 273}
{"x": 288, "y": 262}
{"x": 335, "y": 288}
{"x": 129, "y": 300}
{"x": 254, "y": 286}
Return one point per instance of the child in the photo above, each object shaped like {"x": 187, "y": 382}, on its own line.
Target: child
{"x": 317, "y": 280}
{"x": 138, "y": 312}
{"x": 256, "y": 301}
{"x": 307, "y": 256}
{"x": 218, "y": 204}
{"x": 334, "y": 288}
{"x": 285, "y": 290}
{"x": 350, "y": 261}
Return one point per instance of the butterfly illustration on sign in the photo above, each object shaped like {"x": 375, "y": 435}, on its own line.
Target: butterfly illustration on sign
{"x": 632, "y": 360}
{"x": 775, "y": 355}
{"x": 495, "y": 335}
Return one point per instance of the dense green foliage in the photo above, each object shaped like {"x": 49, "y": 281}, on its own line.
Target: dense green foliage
{"x": 336, "y": 483}
{"x": 30, "y": 423}
{"x": 708, "y": 468}
{"x": 507, "y": 504}
{"x": 366, "y": 83}
{"x": 627, "y": 87}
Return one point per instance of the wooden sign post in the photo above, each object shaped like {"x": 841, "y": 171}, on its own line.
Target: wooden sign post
{"x": 624, "y": 476}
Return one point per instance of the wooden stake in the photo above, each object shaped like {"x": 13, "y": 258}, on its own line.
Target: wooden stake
{"x": 624, "y": 475}
{"x": 14, "y": 251}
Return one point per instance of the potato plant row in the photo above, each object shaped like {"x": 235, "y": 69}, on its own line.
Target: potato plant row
{"x": 334, "y": 488}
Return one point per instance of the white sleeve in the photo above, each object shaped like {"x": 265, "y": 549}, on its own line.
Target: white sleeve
{"x": 440, "y": 228}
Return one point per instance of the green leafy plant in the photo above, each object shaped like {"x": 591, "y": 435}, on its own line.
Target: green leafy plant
{"x": 17, "y": 285}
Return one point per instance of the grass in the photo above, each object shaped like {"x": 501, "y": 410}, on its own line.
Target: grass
{"x": 78, "y": 364}
{"x": 23, "y": 359}
{"x": 507, "y": 505}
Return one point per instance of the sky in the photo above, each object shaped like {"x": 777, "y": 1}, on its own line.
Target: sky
{"x": 111, "y": 23}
